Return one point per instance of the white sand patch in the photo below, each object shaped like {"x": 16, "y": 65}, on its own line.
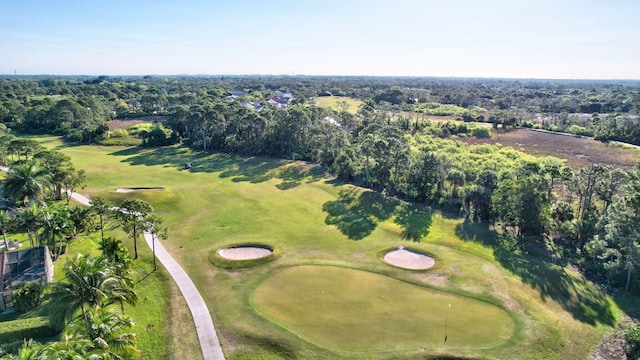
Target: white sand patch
{"x": 244, "y": 252}
{"x": 408, "y": 259}
{"x": 126, "y": 190}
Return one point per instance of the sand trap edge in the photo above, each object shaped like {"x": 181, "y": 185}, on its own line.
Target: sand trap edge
{"x": 125, "y": 190}
{"x": 407, "y": 258}
{"x": 242, "y": 255}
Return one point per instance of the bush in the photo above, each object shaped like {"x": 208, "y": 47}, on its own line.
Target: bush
{"x": 119, "y": 133}
{"x": 27, "y": 296}
{"x": 632, "y": 335}
{"x": 481, "y": 132}
{"x": 579, "y": 130}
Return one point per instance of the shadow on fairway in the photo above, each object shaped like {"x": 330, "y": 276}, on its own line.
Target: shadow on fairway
{"x": 237, "y": 168}
{"x": 356, "y": 214}
{"x": 579, "y": 298}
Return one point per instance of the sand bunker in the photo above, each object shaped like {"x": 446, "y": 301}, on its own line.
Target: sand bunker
{"x": 245, "y": 252}
{"x": 124, "y": 190}
{"x": 408, "y": 259}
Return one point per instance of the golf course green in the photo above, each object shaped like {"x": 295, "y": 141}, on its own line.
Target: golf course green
{"x": 352, "y": 310}
{"x": 506, "y": 301}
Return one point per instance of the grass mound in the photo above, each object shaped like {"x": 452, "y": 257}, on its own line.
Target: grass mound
{"x": 352, "y": 310}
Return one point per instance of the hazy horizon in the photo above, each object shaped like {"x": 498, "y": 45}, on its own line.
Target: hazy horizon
{"x": 541, "y": 40}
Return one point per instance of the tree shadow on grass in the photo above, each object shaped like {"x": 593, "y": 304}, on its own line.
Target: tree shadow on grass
{"x": 415, "y": 222}
{"x": 356, "y": 214}
{"x": 237, "y": 168}
{"x": 536, "y": 269}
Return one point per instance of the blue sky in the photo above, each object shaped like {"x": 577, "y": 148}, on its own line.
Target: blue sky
{"x": 525, "y": 39}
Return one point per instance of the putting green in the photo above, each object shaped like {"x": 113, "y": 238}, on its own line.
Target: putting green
{"x": 352, "y": 310}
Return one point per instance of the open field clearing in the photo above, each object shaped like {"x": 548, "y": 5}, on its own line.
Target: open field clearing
{"x": 578, "y": 152}
{"x": 541, "y": 310}
{"x": 337, "y": 102}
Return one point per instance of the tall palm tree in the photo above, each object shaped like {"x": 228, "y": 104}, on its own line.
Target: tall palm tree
{"x": 90, "y": 282}
{"x": 57, "y": 225}
{"x": 26, "y": 181}
{"x": 30, "y": 220}
{"x": 106, "y": 332}
{"x": 6, "y": 223}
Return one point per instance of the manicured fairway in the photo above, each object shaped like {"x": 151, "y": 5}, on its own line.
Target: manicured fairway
{"x": 353, "y": 310}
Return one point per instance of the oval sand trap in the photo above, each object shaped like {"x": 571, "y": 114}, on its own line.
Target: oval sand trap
{"x": 408, "y": 259}
{"x": 138, "y": 189}
{"x": 245, "y": 252}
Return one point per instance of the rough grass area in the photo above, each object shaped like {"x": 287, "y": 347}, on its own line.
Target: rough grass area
{"x": 578, "y": 152}
{"x": 351, "y": 310}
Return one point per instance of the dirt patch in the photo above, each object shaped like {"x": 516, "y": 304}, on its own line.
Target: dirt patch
{"x": 245, "y": 252}
{"x": 578, "y": 152}
{"x": 125, "y": 124}
{"x": 125, "y": 190}
{"x": 408, "y": 259}
{"x": 614, "y": 347}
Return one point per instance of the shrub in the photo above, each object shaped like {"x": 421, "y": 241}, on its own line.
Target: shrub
{"x": 119, "y": 133}
{"x": 579, "y": 130}
{"x": 481, "y": 132}
{"x": 27, "y": 296}
{"x": 632, "y": 335}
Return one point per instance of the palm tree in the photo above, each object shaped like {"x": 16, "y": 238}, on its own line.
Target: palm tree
{"x": 68, "y": 348}
{"x": 57, "y": 224}
{"x": 30, "y": 220}
{"x": 106, "y": 332}
{"x": 26, "y": 181}
{"x": 117, "y": 253}
{"x": 90, "y": 283}
{"x": 30, "y": 350}
{"x": 6, "y": 223}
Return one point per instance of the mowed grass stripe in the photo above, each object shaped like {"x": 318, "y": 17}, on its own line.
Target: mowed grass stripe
{"x": 353, "y": 310}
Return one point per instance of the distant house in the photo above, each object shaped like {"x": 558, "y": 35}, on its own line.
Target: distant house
{"x": 281, "y": 100}
{"x": 20, "y": 266}
{"x": 252, "y": 105}
{"x": 237, "y": 93}
{"x": 234, "y": 95}
{"x": 332, "y": 121}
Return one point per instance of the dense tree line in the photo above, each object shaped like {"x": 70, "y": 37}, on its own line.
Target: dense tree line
{"x": 79, "y": 106}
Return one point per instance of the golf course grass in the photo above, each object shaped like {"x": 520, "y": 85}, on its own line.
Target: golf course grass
{"x": 337, "y": 231}
{"x": 351, "y": 310}
{"x": 336, "y": 102}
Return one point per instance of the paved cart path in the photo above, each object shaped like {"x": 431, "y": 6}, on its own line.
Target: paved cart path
{"x": 209, "y": 342}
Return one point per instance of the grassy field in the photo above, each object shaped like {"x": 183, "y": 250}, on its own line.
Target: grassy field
{"x": 334, "y": 103}
{"x": 312, "y": 221}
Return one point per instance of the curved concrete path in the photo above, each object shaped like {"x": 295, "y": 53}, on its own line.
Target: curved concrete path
{"x": 209, "y": 342}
